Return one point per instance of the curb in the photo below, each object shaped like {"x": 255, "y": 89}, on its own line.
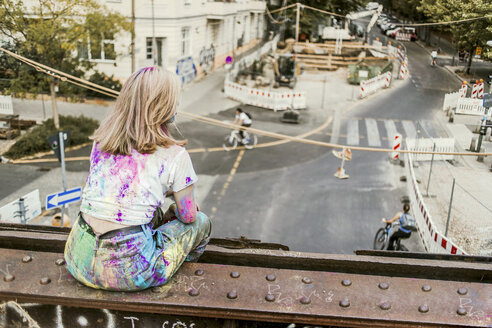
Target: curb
{"x": 453, "y": 73}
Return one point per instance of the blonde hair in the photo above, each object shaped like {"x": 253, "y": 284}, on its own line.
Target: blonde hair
{"x": 142, "y": 114}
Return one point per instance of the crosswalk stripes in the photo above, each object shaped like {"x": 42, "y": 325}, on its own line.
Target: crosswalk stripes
{"x": 353, "y": 132}
{"x": 372, "y": 132}
{"x": 381, "y": 132}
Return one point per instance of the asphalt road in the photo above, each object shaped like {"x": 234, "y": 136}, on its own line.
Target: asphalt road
{"x": 287, "y": 193}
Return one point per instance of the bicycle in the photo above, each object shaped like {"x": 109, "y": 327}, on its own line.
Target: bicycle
{"x": 382, "y": 237}
{"x": 231, "y": 141}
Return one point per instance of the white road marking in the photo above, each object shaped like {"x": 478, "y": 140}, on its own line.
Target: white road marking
{"x": 390, "y": 131}
{"x": 353, "y": 132}
{"x": 409, "y": 128}
{"x": 372, "y": 132}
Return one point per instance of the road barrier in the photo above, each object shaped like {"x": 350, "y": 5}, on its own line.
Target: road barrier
{"x": 427, "y": 144}
{"x": 396, "y": 147}
{"x": 463, "y": 90}
{"x": 6, "y": 106}
{"x": 372, "y": 85}
{"x": 276, "y": 100}
{"x": 403, "y": 69}
{"x": 451, "y": 100}
{"x": 469, "y": 106}
{"x": 480, "y": 90}
{"x": 432, "y": 239}
{"x": 474, "y": 93}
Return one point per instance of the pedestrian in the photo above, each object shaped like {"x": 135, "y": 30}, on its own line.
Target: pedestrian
{"x": 122, "y": 240}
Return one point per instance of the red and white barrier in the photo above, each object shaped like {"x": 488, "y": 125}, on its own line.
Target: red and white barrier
{"x": 396, "y": 147}
{"x": 372, "y": 85}
{"x": 480, "y": 90}
{"x": 444, "y": 145}
{"x": 274, "y": 100}
{"x": 400, "y": 54}
{"x": 450, "y": 100}
{"x": 474, "y": 93}
{"x": 463, "y": 90}
{"x": 433, "y": 240}
{"x": 403, "y": 69}
{"x": 469, "y": 106}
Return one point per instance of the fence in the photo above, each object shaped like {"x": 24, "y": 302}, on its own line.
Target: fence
{"x": 427, "y": 144}
{"x": 276, "y": 100}
{"x": 471, "y": 106}
{"x": 372, "y": 85}
{"x": 6, "y": 106}
{"x": 433, "y": 240}
{"x": 451, "y": 100}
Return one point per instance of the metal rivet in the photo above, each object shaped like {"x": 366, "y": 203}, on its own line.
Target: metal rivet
{"x": 194, "y": 292}
{"x": 426, "y": 288}
{"x": 305, "y": 300}
{"x": 26, "y": 259}
{"x": 462, "y": 291}
{"x": 307, "y": 280}
{"x": 8, "y": 278}
{"x": 270, "y": 297}
{"x": 344, "y": 303}
{"x": 462, "y": 311}
{"x": 235, "y": 274}
{"x": 232, "y": 295}
{"x": 271, "y": 277}
{"x": 346, "y": 282}
{"x": 199, "y": 272}
{"x": 383, "y": 285}
{"x": 45, "y": 281}
{"x": 424, "y": 308}
{"x": 60, "y": 262}
{"x": 385, "y": 306}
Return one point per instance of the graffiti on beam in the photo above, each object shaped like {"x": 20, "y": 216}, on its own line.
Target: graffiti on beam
{"x": 186, "y": 70}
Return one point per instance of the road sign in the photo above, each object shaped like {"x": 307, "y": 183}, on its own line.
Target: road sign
{"x": 63, "y": 197}
{"x": 229, "y": 60}
{"x": 54, "y": 142}
{"x": 487, "y": 100}
{"x": 31, "y": 206}
{"x": 478, "y": 51}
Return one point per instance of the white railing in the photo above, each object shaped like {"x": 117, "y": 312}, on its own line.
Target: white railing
{"x": 451, "y": 100}
{"x": 6, "y": 106}
{"x": 275, "y": 100}
{"x": 471, "y": 106}
{"x": 433, "y": 240}
{"x": 427, "y": 144}
{"x": 372, "y": 85}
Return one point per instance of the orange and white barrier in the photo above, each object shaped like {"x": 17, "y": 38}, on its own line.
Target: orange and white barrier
{"x": 450, "y": 100}
{"x": 403, "y": 69}
{"x": 345, "y": 155}
{"x": 396, "y": 147}
{"x": 463, "y": 90}
{"x": 474, "y": 93}
{"x": 480, "y": 89}
{"x": 443, "y": 145}
{"x": 372, "y": 85}
{"x": 434, "y": 241}
{"x": 469, "y": 106}
{"x": 275, "y": 100}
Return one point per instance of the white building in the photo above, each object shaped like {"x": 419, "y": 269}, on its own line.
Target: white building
{"x": 191, "y": 36}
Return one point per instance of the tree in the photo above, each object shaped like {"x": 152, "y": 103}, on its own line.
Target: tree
{"x": 61, "y": 34}
{"x": 467, "y": 35}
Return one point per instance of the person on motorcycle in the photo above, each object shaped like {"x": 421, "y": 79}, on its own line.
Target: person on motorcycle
{"x": 242, "y": 119}
{"x": 401, "y": 232}
{"x": 434, "y": 57}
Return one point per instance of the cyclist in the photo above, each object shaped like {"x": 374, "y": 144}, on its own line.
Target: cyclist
{"x": 243, "y": 119}
{"x": 401, "y": 232}
{"x": 434, "y": 57}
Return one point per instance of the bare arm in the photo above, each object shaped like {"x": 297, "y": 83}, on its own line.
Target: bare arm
{"x": 186, "y": 205}
{"x": 396, "y": 217}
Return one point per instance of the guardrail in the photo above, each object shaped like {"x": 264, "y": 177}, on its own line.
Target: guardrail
{"x": 433, "y": 240}
{"x": 427, "y": 144}
{"x": 471, "y": 106}
{"x": 372, "y": 85}
{"x": 276, "y": 100}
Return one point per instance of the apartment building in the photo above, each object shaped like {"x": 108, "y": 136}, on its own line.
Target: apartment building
{"x": 189, "y": 37}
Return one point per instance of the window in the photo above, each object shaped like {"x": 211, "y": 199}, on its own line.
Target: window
{"x": 187, "y": 2}
{"x": 185, "y": 41}
{"x": 149, "y": 48}
{"x": 97, "y": 48}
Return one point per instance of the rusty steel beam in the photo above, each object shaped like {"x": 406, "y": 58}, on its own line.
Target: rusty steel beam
{"x": 260, "y": 294}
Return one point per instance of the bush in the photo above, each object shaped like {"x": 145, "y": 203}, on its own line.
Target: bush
{"x": 35, "y": 140}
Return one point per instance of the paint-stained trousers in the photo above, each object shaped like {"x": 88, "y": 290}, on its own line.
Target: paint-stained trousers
{"x": 134, "y": 258}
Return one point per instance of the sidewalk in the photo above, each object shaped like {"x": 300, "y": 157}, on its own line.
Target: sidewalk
{"x": 470, "y": 224}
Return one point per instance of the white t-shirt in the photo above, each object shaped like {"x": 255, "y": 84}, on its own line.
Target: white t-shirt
{"x": 434, "y": 54}
{"x": 127, "y": 189}
{"x": 244, "y": 117}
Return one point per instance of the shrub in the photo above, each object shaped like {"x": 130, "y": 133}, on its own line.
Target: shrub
{"x": 35, "y": 140}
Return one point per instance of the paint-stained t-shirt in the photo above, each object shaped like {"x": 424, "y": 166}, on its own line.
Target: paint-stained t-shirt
{"x": 127, "y": 189}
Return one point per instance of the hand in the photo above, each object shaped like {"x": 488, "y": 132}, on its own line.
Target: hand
{"x": 383, "y": 220}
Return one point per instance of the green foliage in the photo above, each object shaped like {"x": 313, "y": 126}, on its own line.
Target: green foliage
{"x": 52, "y": 34}
{"x": 35, "y": 140}
{"x": 105, "y": 81}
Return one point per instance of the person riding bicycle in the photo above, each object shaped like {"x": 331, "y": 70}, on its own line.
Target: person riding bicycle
{"x": 401, "y": 232}
{"x": 434, "y": 57}
{"x": 243, "y": 119}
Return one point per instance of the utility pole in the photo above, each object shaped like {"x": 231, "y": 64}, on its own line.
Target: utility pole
{"x": 298, "y": 14}
{"x": 154, "y": 45}
{"x": 53, "y": 104}
{"x": 132, "y": 46}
